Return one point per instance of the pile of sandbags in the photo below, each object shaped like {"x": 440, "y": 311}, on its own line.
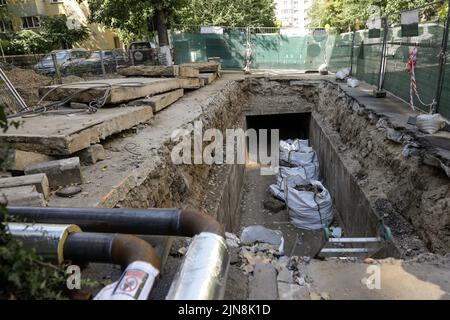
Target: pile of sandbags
{"x": 308, "y": 201}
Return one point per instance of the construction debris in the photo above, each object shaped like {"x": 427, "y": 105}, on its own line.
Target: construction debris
{"x": 150, "y": 71}
{"x": 60, "y": 173}
{"x": 39, "y": 181}
{"x": 93, "y": 154}
{"x": 65, "y": 134}
{"x": 204, "y": 67}
{"x": 26, "y": 196}
{"x": 259, "y": 234}
{"x": 161, "y": 101}
{"x": 17, "y": 160}
{"x": 68, "y": 192}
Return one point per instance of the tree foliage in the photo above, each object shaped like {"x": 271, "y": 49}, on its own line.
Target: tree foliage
{"x": 343, "y": 15}
{"x": 56, "y": 31}
{"x": 132, "y": 22}
{"x": 240, "y": 13}
{"x": 130, "y": 17}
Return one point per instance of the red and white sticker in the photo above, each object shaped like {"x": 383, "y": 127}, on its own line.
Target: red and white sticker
{"x": 136, "y": 282}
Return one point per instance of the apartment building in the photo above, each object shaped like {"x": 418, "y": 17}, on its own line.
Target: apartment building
{"x": 293, "y": 13}
{"x": 17, "y": 15}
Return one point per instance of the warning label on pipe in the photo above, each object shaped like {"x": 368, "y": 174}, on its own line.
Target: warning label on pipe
{"x": 132, "y": 283}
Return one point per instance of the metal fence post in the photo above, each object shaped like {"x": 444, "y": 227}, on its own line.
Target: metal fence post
{"x": 102, "y": 63}
{"x": 380, "y": 92}
{"x": 442, "y": 63}
{"x": 57, "y": 72}
{"x": 352, "y": 50}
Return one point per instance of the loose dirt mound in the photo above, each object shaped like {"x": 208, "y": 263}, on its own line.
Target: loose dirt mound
{"x": 27, "y": 83}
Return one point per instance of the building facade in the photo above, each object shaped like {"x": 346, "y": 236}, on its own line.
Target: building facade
{"x": 25, "y": 14}
{"x": 293, "y": 13}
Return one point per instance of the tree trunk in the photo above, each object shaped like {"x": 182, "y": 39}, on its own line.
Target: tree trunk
{"x": 163, "y": 37}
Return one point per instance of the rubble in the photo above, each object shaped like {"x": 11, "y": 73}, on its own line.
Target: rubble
{"x": 254, "y": 234}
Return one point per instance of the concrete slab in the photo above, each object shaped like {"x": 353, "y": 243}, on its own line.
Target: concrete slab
{"x": 66, "y": 134}
{"x": 208, "y": 77}
{"x": 39, "y": 181}
{"x": 60, "y": 173}
{"x": 17, "y": 160}
{"x": 122, "y": 89}
{"x": 263, "y": 285}
{"x": 26, "y": 196}
{"x": 162, "y": 101}
{"x": 150, "y": 71}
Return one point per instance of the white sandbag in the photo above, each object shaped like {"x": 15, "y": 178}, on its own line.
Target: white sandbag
{"x": 308, "y": 210}
{"x": 353, "y": 83}
{"x": 277, "y": 192}
{"x": 430, "y": 123}
{"x": 297, "y": 176}
{"x": 297, "y": 152}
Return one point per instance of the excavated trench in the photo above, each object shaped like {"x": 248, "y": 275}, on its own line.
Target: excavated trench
{"x": 362, "y": 164}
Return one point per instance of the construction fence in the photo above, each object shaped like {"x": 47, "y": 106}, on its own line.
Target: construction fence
{"x": 380, "y": 60}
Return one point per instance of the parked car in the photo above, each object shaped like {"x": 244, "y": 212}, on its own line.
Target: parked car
{"x": 143, "y": 52}
{"x": 112, "y": 59}
{"x": 46, "y": 66}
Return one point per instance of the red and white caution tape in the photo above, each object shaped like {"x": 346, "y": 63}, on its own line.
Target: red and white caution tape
{"x": 411, "y": 67}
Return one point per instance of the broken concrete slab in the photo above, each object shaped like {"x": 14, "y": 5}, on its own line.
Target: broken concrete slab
{"x": 67, "y": 134}
{"x": 189, "y": 72}
{"x": 151, "y": 71}
{"x": 60, "y": 173}
{"x": 39, "y": 181}
{"x": 208, "y": 77}
{"x": 17, "y": 160}
{"x": 162, "y": 101}
{"x": 122, "y": 89}
{"x": 26, "y": 196}
{"x": 263, "y": 285}
{"x": 285, "y": 275}
{"x": 254, "y": 234}
{"x": 288, "y": 291}
{"x": 190, "y": 83}
{"x": 204, "y": 67}
{"x": 93, "y": 154}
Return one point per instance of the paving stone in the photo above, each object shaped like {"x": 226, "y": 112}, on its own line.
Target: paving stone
{"x": 60, "y": 173}
{"x": 263, "y": 285}
{"x": 254, "y": 234}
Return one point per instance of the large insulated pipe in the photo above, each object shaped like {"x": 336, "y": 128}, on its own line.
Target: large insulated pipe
{"x": 166, "y": 222}
{"x": 204, "y": 270}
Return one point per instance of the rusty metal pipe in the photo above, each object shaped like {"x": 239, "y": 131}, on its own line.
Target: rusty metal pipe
{"x": 118, "y": 249}
{"x": 138, "y": 259}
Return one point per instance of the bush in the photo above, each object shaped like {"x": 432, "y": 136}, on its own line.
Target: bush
{"x": 29, "y": 42}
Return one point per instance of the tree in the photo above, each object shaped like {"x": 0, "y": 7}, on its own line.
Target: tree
{"x": 342, "y": 15}
{"x": 56, "y": 31}
{"x": 234, "y": 13}
{"x": 29, "y": 42}
{"x": 130, "y": 17}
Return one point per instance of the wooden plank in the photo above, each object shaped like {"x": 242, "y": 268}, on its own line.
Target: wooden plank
{"x": 162, "y": 101}
{"x": 189, "y": 72}
{"x": 190, "y": 83}
{"x": 208, "y": 77}
{"x": 123, "y": 89}
{"x": 204, "y": 67}
{"x": 18, "y": 160}
{"x": 39, "y": 181}
{"x": 65, "y": 135}
{"x": 150, "y": 71}
{"x": 26, "y": 196}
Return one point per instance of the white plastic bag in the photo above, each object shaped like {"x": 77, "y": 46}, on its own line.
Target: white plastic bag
{"x": 342, "y": 74}
{"x": 309, "y": 210}
{"x": 277, "y": 192}
{"x": 353, "y": 83}
{"x": 430, "y": 123}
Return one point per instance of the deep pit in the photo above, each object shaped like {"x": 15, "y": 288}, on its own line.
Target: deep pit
{"x": 361, "y": 162}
